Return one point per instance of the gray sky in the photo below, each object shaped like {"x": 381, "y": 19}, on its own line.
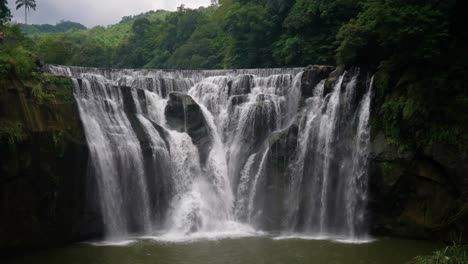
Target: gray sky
{"x": 95, "y": 12}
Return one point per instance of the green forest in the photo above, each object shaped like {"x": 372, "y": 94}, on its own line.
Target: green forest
{"x": 259, "y": 33}
{"x": 417, "y": 50}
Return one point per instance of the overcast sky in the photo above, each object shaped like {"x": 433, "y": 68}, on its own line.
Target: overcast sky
{"x": 95, "y": 12}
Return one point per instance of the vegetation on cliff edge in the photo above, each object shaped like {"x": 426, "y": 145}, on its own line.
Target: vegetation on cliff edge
{"x": 20, "y": 71}
{"x": 415, "y": 48}
{"x": 455, "y": 254}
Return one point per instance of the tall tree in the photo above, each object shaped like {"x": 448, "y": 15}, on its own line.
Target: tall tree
{"x": 27, "y": 4}
{"x": 5, "y": 14}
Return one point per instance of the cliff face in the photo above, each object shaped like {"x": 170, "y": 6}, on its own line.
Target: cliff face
{"x": 419, "y": 169}
{"x": 419, "y": 193}
{"x": 47, "y": 197}
{"x": 43, "y": 185}
{"x": 416, "y": 192}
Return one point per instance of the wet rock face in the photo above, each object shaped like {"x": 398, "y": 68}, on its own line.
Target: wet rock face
{"x": 415, "y": 195}
{"x": 281, "y": 155}
{"x": 45, "y": 196}
{"x": 312, "y": 76}
{"x": 183, "y": 114}
{"x": 242, "y": 85}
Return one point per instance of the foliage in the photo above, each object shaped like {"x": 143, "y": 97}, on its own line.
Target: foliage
{"x": 5, "y": 14}
{"x": 50, "y": 89}
{"x": 249, "y": 28}
{"x": 39, "y": 94}
{"x": 427, "y": 109}
{"x": 61, "y": 88}
{"x": 15, "y": 55}
{"x": 408, "y": 31}
{"x": 419, "y": 56}
{"x": 310, "y": 30}
{"x": 58, "y": 140}
{"x": 417, "y": 50}
{"x": 95, "y": 47}
{"x": 152, "y": 42}
{"x": 80, "y": 48}
{"x": 203, "y": 50}
{"x": 62, "y": 26}
{"x": 18, "y": 61}
{"x": 455, "y": 254}
{"x": 27, "y": 5}
{"x": 11, "y": 132}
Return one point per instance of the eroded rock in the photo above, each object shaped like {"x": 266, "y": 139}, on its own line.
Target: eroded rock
{"x": 413, "y": 195}
{"x": 183, "y": 114}
{"x": 312, "y": 75}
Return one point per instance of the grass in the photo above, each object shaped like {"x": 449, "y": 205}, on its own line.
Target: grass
{"x": 11, "y": 132}
{"x": 456, "y": 254}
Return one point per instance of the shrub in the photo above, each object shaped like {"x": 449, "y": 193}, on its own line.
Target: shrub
{"x": 455, "y": 254}
{"x": 11, "y": 132}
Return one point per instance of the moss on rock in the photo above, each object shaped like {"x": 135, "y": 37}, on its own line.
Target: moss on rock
{"x": 43, "y": 153}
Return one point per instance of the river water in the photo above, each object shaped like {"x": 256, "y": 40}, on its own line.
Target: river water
{"x": 249, "y": 250}
{"x": 216, "y": 193}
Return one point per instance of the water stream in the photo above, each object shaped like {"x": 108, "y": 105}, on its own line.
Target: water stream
{"x": 219, "y": 174}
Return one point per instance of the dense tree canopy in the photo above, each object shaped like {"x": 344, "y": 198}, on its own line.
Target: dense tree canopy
{"x": 62, "y": 26}
{"x": 5, "y": 14}
{"x": 417, "y": 50}
{"x": 265, "y": 33}
{"x": 310, "y": 29}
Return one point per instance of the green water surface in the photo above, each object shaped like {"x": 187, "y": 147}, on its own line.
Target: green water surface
{"x": 254, "y": 250}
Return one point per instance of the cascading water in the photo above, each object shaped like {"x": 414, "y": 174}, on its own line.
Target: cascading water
{"x": 196, "y": 153}
{"x": 328, "y": 186}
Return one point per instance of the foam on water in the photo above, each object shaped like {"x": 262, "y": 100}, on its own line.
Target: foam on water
{"x": 117, "y": 243}
{"x": 231, "y": 230}
{"x": 330, "y": 237}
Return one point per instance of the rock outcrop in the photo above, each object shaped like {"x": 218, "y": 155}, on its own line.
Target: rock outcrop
{"x": 312, "y": 75}
{"x": 183, "y": 114}
{"x": 274, "y": 175}
{"x": 44, "y": 190}
{"x": 418, "y": 194}
{"x": 47, "y": 198}
{"x": 243, "y": 85}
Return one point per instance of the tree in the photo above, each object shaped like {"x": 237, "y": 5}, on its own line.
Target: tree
{"x": 249, "y": 28}
{"x": 5, "y": 14}
{"x": 27, "y": 4}
{"x": 310, "y": 30}
{"x": 140, "y": 26}
{"x": 407, "y": 32}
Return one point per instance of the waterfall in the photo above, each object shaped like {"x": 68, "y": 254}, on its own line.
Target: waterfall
{"x": 179, "y": 154}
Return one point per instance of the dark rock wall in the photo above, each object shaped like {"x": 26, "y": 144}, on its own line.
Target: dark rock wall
{"x": 416, "y": 193}
{"x": 312, "y": 75}
{"x": 183, "y": 114}
{"x": 44, "y": 196}
{"x": 419, "y": 194}
{"x": 47, "y": 198}
{"x": 282, "y": 153}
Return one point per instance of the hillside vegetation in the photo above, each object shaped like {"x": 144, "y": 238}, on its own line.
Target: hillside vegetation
{"x": 62, "y": 26}
{"x": 417, "y": 50}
